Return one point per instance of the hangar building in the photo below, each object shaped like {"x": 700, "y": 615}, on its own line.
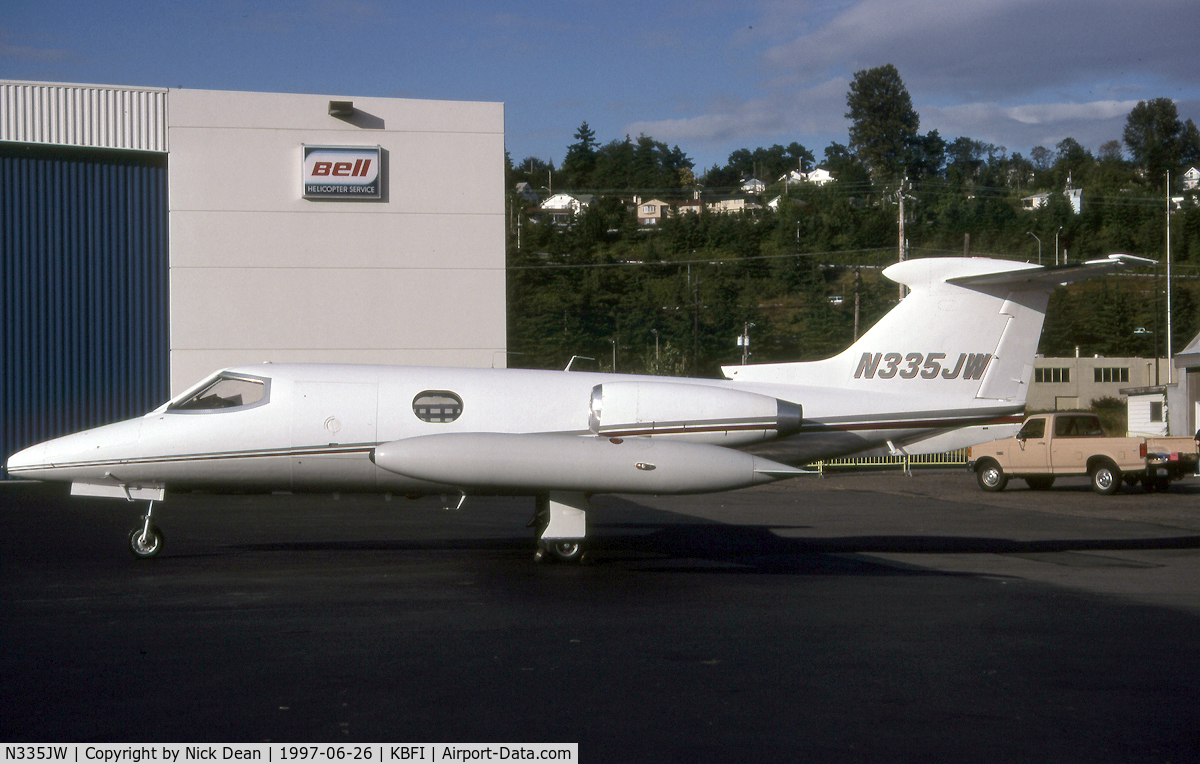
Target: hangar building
{"x": 150, "y": 236}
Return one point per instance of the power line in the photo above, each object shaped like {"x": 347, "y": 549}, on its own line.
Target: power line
{"x": 701, "y": 261}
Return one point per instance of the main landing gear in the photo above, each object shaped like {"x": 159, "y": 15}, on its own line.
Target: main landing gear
{"x": 560, "y": 526}
{"x": 146, "y": 541}
{"x": 559, "y": 522}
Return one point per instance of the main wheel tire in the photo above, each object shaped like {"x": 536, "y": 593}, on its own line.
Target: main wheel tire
{"x": 145, "y": 545}
{"x": 991, "y": 477}
{"x": 1106, "y": 479}
{"x": 1041, "y": 482}
{"x": 566, "y": 551}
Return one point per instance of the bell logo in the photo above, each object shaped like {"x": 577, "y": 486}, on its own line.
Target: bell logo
{"x": 342, "y": 169}
{"x": 341, "y": 172}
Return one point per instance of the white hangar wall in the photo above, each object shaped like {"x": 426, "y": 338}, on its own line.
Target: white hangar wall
{"x": 259, "y": 273}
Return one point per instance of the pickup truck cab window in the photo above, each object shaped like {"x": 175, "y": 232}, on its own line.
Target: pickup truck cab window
{"x": 1034, "y": 428}
{"x": 1077, "y": 427}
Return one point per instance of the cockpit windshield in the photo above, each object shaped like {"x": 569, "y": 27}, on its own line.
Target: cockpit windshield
{"x": 226, "y": 392}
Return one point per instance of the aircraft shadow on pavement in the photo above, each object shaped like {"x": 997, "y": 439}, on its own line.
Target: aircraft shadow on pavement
{"x": 622, "y": 534}
{"x": 629, "y": 534}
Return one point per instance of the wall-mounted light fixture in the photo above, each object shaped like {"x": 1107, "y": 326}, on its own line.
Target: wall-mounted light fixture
{"x": 341, "y": 108}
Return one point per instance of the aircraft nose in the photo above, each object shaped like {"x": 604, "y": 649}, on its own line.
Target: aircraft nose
{"x": 22, "y": 462}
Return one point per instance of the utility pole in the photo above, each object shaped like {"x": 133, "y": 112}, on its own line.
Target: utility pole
{"x": 696, "y": 332}
{"x": 857, "y": 282}
{"x": 901, "y": 195}
{"x": 1170, "y": 365}
{"x": 744, "y": 341}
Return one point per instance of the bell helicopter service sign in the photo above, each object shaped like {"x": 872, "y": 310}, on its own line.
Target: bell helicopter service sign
{"x": 342, "y": 172}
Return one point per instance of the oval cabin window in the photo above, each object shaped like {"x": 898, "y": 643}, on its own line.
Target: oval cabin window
{"x": 438, "y": 406}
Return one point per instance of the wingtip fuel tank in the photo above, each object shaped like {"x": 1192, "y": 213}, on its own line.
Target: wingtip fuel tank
{"x": 538, "y": 463}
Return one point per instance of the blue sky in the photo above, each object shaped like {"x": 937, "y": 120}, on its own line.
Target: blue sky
{"x": 710, "y": 76}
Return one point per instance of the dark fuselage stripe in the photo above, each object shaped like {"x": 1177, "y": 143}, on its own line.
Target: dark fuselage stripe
{"x": 358, "y": 448}
{"x": 808, "y": 426}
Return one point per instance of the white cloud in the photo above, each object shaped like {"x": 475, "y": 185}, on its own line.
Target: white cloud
{"x": 1017, "y": 73}
{"x": 749, "y": 123}
{"x": 1021, "y": 127}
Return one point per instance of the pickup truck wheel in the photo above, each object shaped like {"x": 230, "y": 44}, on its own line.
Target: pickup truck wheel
{"x": 1106, "y": 479}
{"x": 1040, "y": 483}
{"x": 990, "y": 477}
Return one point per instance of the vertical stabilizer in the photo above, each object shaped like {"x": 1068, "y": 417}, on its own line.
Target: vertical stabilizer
{"x": 967, "y": 332}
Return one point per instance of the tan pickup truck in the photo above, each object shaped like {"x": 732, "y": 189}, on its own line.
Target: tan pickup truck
{"x": 1062, "y": 444}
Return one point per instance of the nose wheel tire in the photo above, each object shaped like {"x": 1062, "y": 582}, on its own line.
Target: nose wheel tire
{"x": 145, "y": 543}
{"x": 568, "y": 551}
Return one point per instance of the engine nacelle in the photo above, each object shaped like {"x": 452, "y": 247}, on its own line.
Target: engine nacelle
{"x": 697, "y": 413}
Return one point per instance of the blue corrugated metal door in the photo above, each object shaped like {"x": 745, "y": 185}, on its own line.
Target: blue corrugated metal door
{"x": 84, "y": 290}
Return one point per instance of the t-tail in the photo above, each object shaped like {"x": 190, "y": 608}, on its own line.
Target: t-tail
{"x": 965, "y": 335}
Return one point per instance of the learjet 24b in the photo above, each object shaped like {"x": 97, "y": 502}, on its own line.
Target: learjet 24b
{"x": 956, "y": 353}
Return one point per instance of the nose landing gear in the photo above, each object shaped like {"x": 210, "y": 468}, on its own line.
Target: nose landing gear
{"x": 147, "y": 541}
{"x": 560, "y": 526}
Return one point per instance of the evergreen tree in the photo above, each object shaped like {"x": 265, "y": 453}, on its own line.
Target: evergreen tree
{"x": 580, "y": 162}
{"x": 1155, "y": 138}
{"x": 883, "y": 129}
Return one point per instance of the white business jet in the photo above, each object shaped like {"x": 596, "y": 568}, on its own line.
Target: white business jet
{"x": 956, "y": 353}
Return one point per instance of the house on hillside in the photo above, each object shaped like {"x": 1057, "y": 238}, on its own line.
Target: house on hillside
{"x": 564, "y": 208}
{"x": 818, "y": 177}
{"x": 731, "y": 203}
{"x": 1074, "y": 198}
{"x": 526, "y": 192}
{"x": 650, "y": 212}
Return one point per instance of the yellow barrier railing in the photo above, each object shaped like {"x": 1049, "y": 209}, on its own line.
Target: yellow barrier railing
{"x": 956, "y": 458}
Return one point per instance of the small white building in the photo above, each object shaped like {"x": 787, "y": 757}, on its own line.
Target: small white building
{"x": 1146, "y": 409}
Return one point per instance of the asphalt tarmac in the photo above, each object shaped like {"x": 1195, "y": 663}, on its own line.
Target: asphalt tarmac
{"x": 860, "y": 617}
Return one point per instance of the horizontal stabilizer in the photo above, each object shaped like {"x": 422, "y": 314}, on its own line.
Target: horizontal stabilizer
{"x": 1054, "y": 275}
